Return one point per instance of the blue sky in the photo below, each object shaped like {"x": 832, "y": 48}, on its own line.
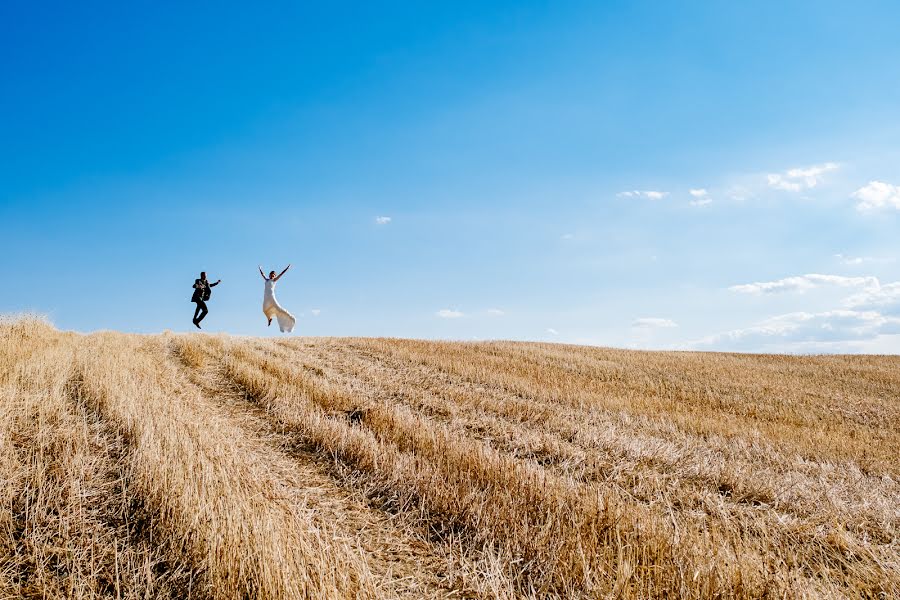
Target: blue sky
{"x": 710, "y": 175}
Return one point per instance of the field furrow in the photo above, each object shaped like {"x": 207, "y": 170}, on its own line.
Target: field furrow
{"x": 727, "y": 399}
{"x": 214, "y": 493}
{"x": 808, "y": 539}
{"x": 751, "y": 470}
{"x": 598, "y": 447}
{"x": 71, "y": 529}
{"x": 402, "y": 565}
{"x": 518, "y": 492}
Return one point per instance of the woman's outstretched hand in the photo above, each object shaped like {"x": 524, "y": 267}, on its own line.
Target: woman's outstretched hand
{"x": 283, "y": 272}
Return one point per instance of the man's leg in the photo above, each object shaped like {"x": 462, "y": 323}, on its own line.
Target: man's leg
{"x": 196, "y": 311}
{"x": 203, "y": 310}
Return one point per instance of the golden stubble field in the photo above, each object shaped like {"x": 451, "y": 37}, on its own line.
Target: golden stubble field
{"x": 195, "y": 466}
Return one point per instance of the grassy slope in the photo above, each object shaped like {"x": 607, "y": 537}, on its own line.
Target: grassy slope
{"x": 214, "y": 467}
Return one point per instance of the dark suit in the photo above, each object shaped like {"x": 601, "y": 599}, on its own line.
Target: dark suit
{"x": 202, "y": 293}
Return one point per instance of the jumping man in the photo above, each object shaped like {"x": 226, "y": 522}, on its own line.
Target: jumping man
{"x": 202, "y": 293}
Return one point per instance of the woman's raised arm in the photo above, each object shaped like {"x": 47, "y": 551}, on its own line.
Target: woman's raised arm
{"x": 283, "y": 272}
{"x": 263, "y": 275}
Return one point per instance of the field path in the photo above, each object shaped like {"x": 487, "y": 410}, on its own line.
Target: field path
{"x": 405, "y": 566}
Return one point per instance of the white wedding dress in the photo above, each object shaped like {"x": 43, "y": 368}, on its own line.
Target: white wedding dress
{"x": 273, "y": 310}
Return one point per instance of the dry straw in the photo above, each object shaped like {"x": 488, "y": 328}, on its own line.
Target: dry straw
{"x": 215, "y": 467}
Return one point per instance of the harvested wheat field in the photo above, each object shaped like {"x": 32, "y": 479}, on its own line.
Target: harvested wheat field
{"x": 195, "y": 466}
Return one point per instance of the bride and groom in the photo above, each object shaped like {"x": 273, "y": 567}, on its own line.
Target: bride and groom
{"x": 271, "y": 308}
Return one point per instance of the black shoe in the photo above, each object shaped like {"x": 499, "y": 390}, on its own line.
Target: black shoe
{"x": 197, "y": 324}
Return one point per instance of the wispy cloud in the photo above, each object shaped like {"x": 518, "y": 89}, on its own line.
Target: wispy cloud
{"x": 795, "y": 180}
{"x": 446, "y": 313}
{"x": 802, "y": 283}
{"x": 871, "y": 311}
{"x": 804, "y": 328}
{"x": 382, "y": 220}
{"x": 495, "y": 312}
{"x": 700, "y": 197}
{"x": 868, "y": 294}
{"x": 852, "y": 260}
{"x": 653, "y": 323}
{"x": 316, "y": 312}
{"x": 649, "y": 194}
{"x": 568, "y": 236}
{"x": 552, "y": 331}
{"x": 877, "y": 195}
{"x": 885, "y": 298}
{"x": 739, "y": 193}
{"x": 861, "y": 260}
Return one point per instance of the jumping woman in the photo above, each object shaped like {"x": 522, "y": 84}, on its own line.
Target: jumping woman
{"x": 271, "y": 308}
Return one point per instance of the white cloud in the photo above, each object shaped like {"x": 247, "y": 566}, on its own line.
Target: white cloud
{"x": 701, "y": 197}
{"x": 653, "y": 322}
{"x": 860, "y": 260}
{"x": 316, "y": 312}
{"x": 568, "y": 236}
{"x": 778, "y": 183}
{"x": 884, "y": 298}
{"x": 865, "y": 317}
{"x": 649, "y": 194}
{"x": 552, "y": 331}
{"x": 877, "y": 195}
{"x": 851, "y": 260}
{"x": 382, "y": 220}
{"x": 447, "y": 313}
{"x": 870, "y": 293}
{"x": 806, "y": 330}
{"x": 802, "y": 283}
{"x": 739, "y": 193}
{"x": 495, "y": 312}
{"x": 795, "y": 180}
